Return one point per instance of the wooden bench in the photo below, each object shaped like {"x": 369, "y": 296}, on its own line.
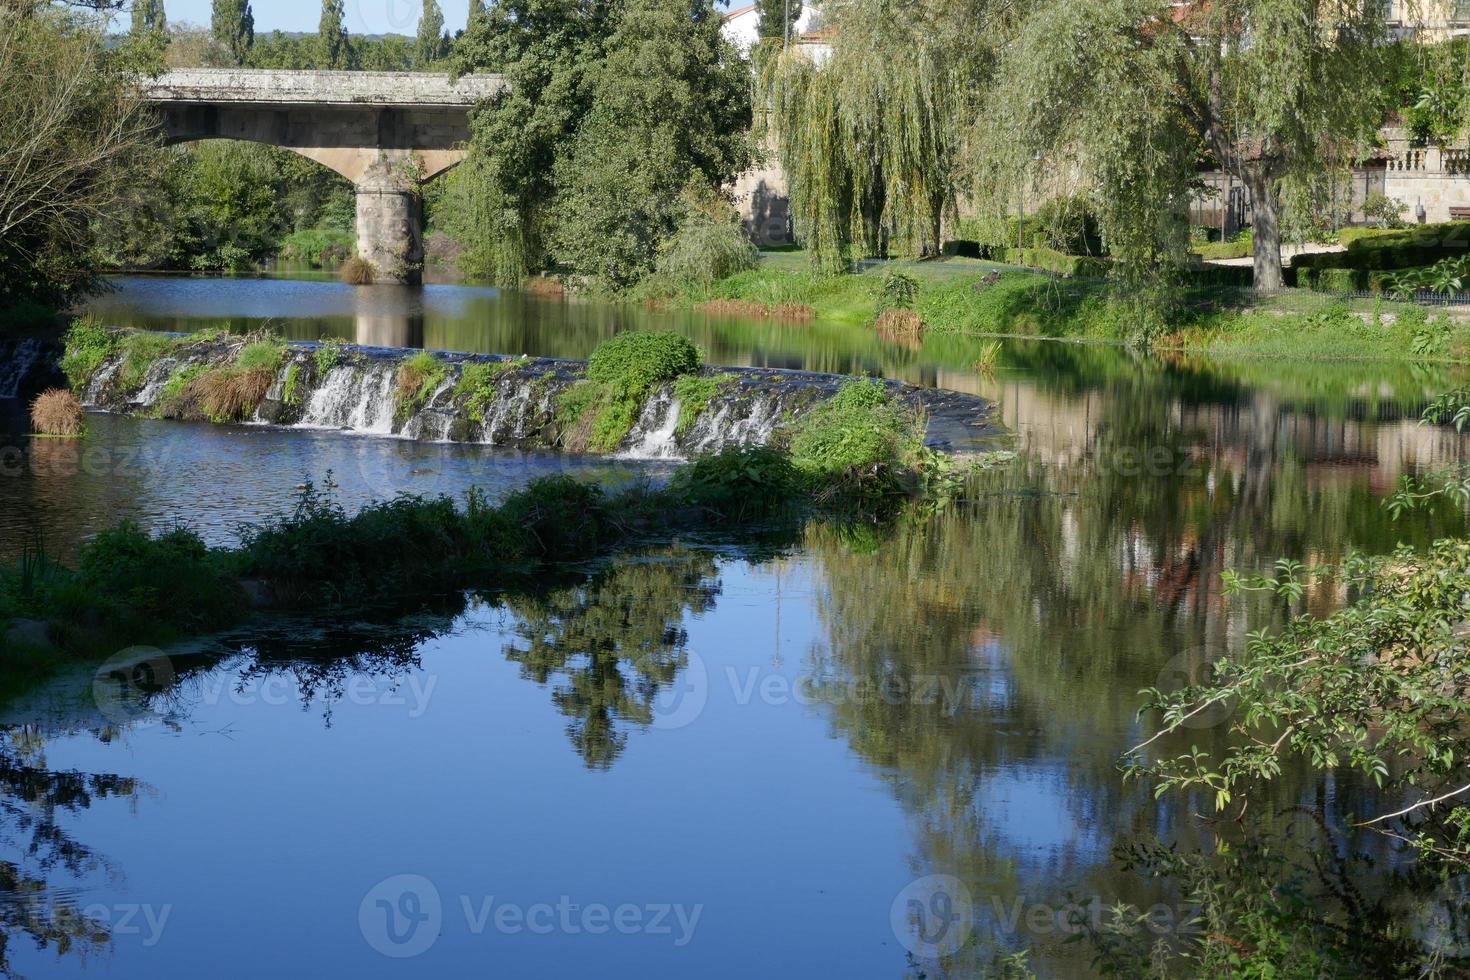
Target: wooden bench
{"x": 1460, "y": 213}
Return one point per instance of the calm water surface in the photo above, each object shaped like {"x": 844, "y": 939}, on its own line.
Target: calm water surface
{"x": 689, "y": 762}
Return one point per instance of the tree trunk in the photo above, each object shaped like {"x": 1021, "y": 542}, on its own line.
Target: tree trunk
{"x": 1266, "y": 227}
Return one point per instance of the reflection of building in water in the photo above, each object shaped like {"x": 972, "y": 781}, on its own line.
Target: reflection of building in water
{"x": 388, "y": 316}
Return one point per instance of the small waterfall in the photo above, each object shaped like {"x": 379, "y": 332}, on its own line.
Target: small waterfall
{"x": 431, "y": 423}
{"x": 16, "y": 367}
{"x": 653, "y": 433}
{"x": 356, "y": 398}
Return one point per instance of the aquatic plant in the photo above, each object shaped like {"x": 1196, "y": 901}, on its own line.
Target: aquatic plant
{"x": 477, "y": 385}
{"x": 291, "y": 387}
{"x": 56, "y": 412}
{"x": 739, "y": 483}
{"x": 232, "y": 392}
{"x": 328, "y": 354}
{"x": 598, "y": 412}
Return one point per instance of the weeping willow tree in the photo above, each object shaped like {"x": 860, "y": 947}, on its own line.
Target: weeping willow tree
{"x": 1140, "y": 93}
{"x": 869, "y": 137}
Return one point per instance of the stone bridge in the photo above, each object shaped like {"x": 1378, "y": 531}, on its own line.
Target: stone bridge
{"x": 387, "y": 132}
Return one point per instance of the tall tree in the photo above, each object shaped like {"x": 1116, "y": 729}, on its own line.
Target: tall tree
{"x": 612, "y": 110}
{"x": 233, "y": 25}
{"x": 777, "y": 17}
{"x": 149, "y": 15}
{"x": 430, "y": 47}
{"x": 74, "y": 140}
{"x": 870, "y": 137}
{"x": 477, "y": 14}
{"x": 333, "y": 48}
{"x": 1137, "y": 92}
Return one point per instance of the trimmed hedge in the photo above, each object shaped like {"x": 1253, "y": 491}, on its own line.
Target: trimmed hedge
{"x": 1050, "y": 260}
{"x": 1371, "y": 249}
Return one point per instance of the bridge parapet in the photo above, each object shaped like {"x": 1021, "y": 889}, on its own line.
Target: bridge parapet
{"x": 265, "y": 86}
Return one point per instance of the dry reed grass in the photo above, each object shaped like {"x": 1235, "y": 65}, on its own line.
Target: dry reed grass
{"x": 229, "y": 394}
{"x": 357, "y": 271}
{"x": 56, "y": 412}
{"x": 903, "y": 327}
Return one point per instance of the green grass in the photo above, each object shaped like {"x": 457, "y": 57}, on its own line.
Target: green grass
{"x": 328, "y": 354}
{"x": 88, "y": 345}
{"x": 262, "y": 355}
{"x": 140, "y": 352}
{"x": 694, "y": 392}
{"x": 477, "y": 385}
{"x": 291, "y": 387}
{"x": 417, "y": 378}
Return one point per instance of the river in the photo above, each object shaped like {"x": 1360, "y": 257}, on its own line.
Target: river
{"x": 696, "y": 761}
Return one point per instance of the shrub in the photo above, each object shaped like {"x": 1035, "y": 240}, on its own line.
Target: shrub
{"x": 88, "y": 345}
{"x": 56, "y": 412}
{"x": 898, "y": 292}
{"x": 1068, "y": 223}
{"x": 358, "y": 271}
{"x": 418, "y": 376}
{"x": 232, "y": 392}
{"x": 705, "y": 249}
{"x": 142, "y": 580}
{"x": 317, "y": 247}
{"x": 477, "y": 385}
{"x": 1051, "y": 260}
{"x": 558, "y": 517}
{"x": 858, "y": 435}
{"x": 328, "y": 354}
{"x": 739, "y": 483}
{"x": 632, "y": 362}
{"x": 1386, "y": 211}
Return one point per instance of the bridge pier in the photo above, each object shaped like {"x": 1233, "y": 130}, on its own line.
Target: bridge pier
{"x": 390, "y": 231}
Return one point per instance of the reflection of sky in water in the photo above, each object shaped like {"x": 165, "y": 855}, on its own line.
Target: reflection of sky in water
{"x": 1032, "y": 812}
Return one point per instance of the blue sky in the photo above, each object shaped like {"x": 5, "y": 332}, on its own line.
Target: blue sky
{"x": 363, "y": 16}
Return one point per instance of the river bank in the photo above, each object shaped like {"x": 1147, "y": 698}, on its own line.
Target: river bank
{"x": 965, "y": 297}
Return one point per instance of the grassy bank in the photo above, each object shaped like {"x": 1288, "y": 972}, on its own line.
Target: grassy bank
{"x": 968, "y": 297}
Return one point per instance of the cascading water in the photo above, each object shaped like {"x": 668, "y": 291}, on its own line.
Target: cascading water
{"x": 17, "y": 364}
{"x": 518, "y": 409}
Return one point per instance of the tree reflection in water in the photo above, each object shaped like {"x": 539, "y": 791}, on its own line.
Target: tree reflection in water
{"x": 36, "y": 848}
{"x": 613, "y": 643}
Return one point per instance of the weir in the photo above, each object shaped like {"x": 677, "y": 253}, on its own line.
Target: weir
{"x": 387, "y": 132}
{"x": 521, "y": 410}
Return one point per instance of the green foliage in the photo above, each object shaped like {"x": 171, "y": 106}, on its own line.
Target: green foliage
{"x": 149, "y": 17}
{"x": 1241, "y": 245}
{"x": 1387, "y": 212}
{"x": 1447, "y": 277}
{"x": 417, "y": 378}
{"x": 632, "y": 362}
{"x": 1050, "y": 260}
{"x": 1068, "y": 223}
{"x": 75, "y": 138}
{"x": 88, "y": 344}
{"x": 858, "y": 435}
{"x": 262, "y": 355}
{"x": 870, "y": 139}
{"x": 291, "y": 387}
{"x": 232, "y": 25}
{"x": 695, "y": 392}
{"x": 334, "y": 49}
{"x": 777, "y": 18}
{"x": 739, "y": 483}
{"x": 611, "y": 111}
{"x": 318, "y": 247}
{"x": 708, "y": 245}
{"x": 898, "y": 291}
{"x": 432, "y": 43}
{"x": 140, "y": 351}
{"x": 477, "y": 385}
{"x": 178, "y": 384}
{"x": 1371, "y": 249}
{"x": 328, "y": 354}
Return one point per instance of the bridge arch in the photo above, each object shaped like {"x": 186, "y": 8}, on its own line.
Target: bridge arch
{"x": 386, "y": 132}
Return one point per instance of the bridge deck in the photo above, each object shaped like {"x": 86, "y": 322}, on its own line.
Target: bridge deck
{"x": 265, "y": 86}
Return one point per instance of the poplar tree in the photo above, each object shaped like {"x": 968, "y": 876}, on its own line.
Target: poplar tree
{"x": 233, "y": 27}
{"x": 149, "y": 15}
{"x": 333, "y": 48}
{"x": 776, "y": 16}
{"x": 430, "y": 45}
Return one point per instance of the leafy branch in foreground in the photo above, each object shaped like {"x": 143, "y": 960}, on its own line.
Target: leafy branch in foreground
{"x": 1381, "y": 687}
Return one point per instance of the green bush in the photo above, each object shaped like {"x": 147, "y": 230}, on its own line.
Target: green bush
{"x": 858, "y": 433}
{"x": 328, "y": 354}
{"x": 631, "y": 363}
{"x": 899, "y": 291}
{"x": 477, "y": 385}
{"x": 1370, "y": 249}
{"x": 705, "y": 249}
{"x": 88, "y": 345}
{"x": 318, "y": 247}
{"x": 1239, "y": 247}
{"x": 1332, "y": 280}
{"x": 739, "y": 483}
{"x": 140, "y": 351}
